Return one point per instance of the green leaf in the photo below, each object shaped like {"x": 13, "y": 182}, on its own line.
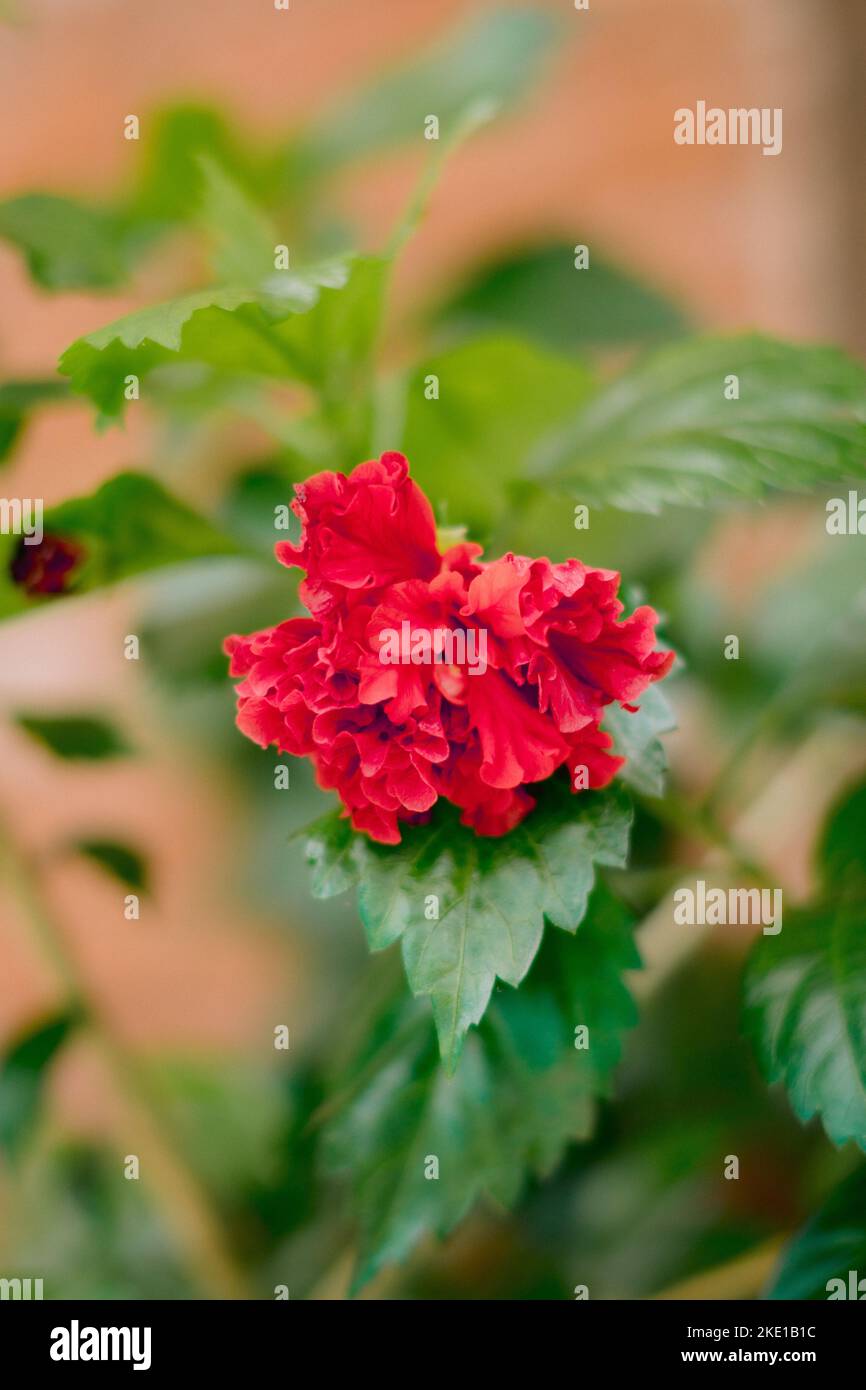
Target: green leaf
{"x": 805, "y": 1010}
{"x": 497, "y": 397}
{"x": 665, "y": 433}
{"x": 248, "y": 508}
{"x": 539, "y": 293}
{"x": 805, "y": 629}
{"x": 492, "y": 894}
{"x": 841, "y": 853}
{"x": 492, "y": 59}
{"x": 187, "y": 617}
{"x": 88, "y": 738}
{"x": 271, "y": 330}
{"x": 69, "y": 245}
{"x": 522, "y": 1093}
{"x": 636, "y": 739}
{"x": 170, "y": 183}
{"x": 243, "y": 237}
{"x": 119, "y": 860}
{"x": 579, "y": 978}
{"x": 17, "y": 401}
{"x": 805, "y": 989}
{"x": 831, "y": 1246}
{"x": 329, "y": 844}
{"x": 226, "y": 1113}
{"x": 128, "y": 526}
{"x": 23, "y": 1072}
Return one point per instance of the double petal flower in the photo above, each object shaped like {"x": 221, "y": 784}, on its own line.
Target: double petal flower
{"x": 420, "y": 674}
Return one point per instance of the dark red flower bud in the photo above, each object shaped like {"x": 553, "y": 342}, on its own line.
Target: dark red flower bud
{"x": 46, "y": 568}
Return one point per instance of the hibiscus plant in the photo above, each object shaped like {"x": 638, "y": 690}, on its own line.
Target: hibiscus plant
{"x": 461, "y": 542}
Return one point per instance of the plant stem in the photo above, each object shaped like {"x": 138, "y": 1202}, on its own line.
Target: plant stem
{"x": 743, "y": 1277}
{"x": 195, "y": 1226}
{"x": 698, "y": 820}
{"x": 763, "y": 723}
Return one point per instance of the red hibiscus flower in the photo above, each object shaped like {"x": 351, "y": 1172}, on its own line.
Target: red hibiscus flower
{"x": 422, "y": 675}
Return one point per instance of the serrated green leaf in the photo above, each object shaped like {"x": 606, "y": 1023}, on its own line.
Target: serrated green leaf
{"x": 497, "y": 396}
{"x": 313, "y": 326}
{"x": 75, "y": 736}
{"x": 23, "y": 1072}
{"x": 493, "y": 58}
{"x": 635, "y": 737}
{"x": 831, "y": 1246}
{"x": 523, "y": 1091}
{"x": 408, "y": 1112}
{"x": 532, "y": 1033}
{"x": 805, "y": 989}
{"x": 665, "y": 433}
{"x": 196, "y": 327}
{"x": 539, "y": 293}
{"x": 329, "y": 847}
{"x": 492, "y": 895}
{"x": 805, "y": 1010}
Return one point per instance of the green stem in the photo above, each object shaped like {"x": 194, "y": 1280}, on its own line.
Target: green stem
{"x": 194, "y": 1225}
{"x": 692, "y": 820}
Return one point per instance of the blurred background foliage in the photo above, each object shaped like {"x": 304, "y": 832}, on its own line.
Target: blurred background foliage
{"x": 555, "y": 387}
